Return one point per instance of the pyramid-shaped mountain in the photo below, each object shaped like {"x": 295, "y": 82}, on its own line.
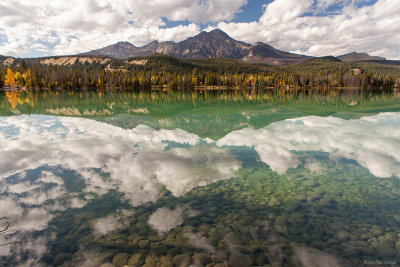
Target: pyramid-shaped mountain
{"x": 213, "y": 44}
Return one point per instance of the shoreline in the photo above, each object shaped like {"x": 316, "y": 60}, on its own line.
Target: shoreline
{"x": 198, "y": 88}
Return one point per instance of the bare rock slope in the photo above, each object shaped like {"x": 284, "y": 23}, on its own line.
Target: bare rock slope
{"x": 214, "y": 44}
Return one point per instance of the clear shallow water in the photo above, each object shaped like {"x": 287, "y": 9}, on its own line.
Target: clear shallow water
{"x": 269, "y": 186}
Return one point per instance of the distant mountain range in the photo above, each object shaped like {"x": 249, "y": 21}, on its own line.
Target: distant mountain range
{"x": 216, "y": 44}
{"x": 213, "y": 44}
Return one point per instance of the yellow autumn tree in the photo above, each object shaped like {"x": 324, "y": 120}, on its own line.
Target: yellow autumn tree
{"x": 19, "y": 78}
{"x": 12, "y": 98}
{"x": 10, "y": 79}
{"x": 28, "y": 79}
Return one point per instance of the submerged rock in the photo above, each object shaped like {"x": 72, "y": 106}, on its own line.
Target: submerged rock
{"x": 143, "y": 244}
{"x": 398, "y": 246}
{"x": 274, "y": 202}
{"x": 151, "y": 260}
{"x": 182, "y": 260}
{"x": 327, "y": 202}
{"x": 314, "y": 195}
{"x": 201, "y": 259}
{"x": 135, "y": 260}
{"x": 384, "y": 250}
{"x": 216, "y": 259}
{"x": 166, "y": 261}
{"x": 239, "y": 260}
{"x": 62, "y": 257}
{"x": 262, "y": 259}
{"x": 120, "y": 259}
{"x": 377, "y": 230}
{"x": 301, "y": 197}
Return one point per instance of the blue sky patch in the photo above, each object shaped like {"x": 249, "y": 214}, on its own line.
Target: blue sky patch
{"x": 171, "y": 24}
{"x": 252, "y": 11}
{"x": 3, "y": 37}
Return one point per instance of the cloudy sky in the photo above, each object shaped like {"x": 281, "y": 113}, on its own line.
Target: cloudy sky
{"x": 31, "y": 28}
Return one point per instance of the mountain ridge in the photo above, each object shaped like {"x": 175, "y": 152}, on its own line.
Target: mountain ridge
{"x": 356, "y": 57}
{"x": 213, "y": 44}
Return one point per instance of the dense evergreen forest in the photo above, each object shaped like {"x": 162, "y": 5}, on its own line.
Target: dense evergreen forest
{"x": 161, "y": 71}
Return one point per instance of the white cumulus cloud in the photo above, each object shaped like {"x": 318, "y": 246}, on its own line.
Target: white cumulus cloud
{"x": 67, "y": 27}
{"x": 298, "y": 26}
{"x": 316, "y": 28}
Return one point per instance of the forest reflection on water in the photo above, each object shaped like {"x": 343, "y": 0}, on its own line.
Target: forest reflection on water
{"x": 277, "y": 182}
{"x": 210, "y": 114}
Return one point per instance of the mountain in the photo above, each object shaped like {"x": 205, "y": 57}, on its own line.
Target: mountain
{"x": 264, "y": 53}
{"x": 118, "y": 50}
{"x": 354, "y": 57}
{"x": 326, "y": 59}
{"x": 213, "y": 44}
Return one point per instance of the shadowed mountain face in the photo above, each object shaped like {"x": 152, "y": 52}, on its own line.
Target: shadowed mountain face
{"x": 210, "y": 45}
{"x": 354, "y": 56}
{"x": 214, "y": 44}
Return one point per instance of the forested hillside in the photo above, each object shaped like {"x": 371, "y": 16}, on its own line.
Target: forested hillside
{"x": 164, "y": 71}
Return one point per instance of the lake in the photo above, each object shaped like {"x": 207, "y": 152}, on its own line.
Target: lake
{"x": 222, "y": 178}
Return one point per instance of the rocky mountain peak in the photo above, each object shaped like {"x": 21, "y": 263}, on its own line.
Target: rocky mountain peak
{"x": 125, "y": 44}
{"x": 213, "y": 44}
{"x": 216, "y": 34}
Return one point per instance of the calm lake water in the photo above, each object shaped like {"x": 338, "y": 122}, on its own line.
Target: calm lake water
{"x": 244, "y": 178}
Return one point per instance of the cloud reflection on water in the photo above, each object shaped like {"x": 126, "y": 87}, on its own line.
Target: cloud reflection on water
{"x": 136, "y": 162}
{"x": 374, "y": 142}
{"x": 141, "y": 162}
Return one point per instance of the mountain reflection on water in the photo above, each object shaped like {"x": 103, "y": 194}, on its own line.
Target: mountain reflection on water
{"x": 307, "y": 190}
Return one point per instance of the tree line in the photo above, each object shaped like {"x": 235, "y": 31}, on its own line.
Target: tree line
{"x": 165, "y": 71}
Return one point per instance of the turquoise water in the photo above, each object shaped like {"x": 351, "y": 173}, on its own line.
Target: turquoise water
{"x": 174, "y": 181}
